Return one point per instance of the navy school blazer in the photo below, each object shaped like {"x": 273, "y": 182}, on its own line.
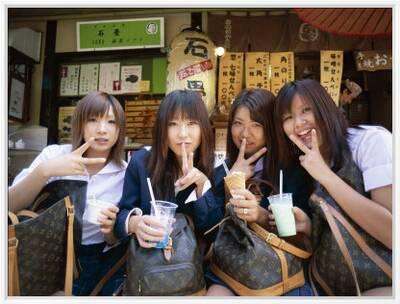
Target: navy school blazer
{"x": 206, "y": 211}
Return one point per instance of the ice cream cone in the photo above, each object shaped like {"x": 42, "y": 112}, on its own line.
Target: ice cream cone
{"x": 237, "y": 180}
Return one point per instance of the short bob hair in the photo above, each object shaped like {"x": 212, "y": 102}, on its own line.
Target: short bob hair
{"x": 97, "y": 104}
{"x": 163, "y": 165}
{"x": 331, "y": 123}
{"x": 260, "y": 104}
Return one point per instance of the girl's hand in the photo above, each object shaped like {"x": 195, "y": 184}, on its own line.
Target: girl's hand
{"x": 190, "y": 174}
{"x": 149, "y": 230}
{"x": 303, "y": 222}
{"x": 245, "y": 165}
{"x": 70, "y": 164}
{"x": 107, "y": 219}
{"x": 245, "y": 205}
{"x": 312, "y": 159}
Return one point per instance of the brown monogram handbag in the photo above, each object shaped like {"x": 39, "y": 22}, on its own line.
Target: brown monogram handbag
{"x": 41, "y": 240}
{"x": 41, "y": 251}
{"x": 346, "y": 259}
{"x": 175, "y": 270}
{"x": 253, "y": 261}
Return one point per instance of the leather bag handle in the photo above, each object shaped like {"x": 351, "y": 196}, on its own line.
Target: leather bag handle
{"x": 13, "y": 275}
{"x": 339, "y": 238}
{"x": 277, "y": 242}
{"x": 69, "y": 267}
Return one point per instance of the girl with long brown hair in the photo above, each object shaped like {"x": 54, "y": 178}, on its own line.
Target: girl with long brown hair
{"x": 180, "y": 165}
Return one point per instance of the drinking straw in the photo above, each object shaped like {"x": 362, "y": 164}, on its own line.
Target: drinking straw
{"x": 280, "y": 182}
{"x": 225, "y": 167}
{"x": 152, "y": 196}
{"x": 150, "y": 189}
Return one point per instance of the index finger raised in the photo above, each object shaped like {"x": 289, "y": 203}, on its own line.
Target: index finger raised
{"x": 80, "y": 150}
{"x": 242, "y": 149}
{"x": 314, "y": 140}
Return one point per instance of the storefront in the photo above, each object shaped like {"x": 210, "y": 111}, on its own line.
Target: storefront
{"x": 263, "y": 48}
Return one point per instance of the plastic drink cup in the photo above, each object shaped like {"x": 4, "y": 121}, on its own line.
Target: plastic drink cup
{"x": 282, "y": 205}
{"x": 93, "y": 209}
{"x": 164, "y": 211}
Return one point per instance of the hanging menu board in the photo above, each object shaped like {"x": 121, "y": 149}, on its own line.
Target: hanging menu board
{"x": 109, "y": 80}
{"x": 131, "y": 76}
{"x": 69, "y": 75}
{"x": 331, "y": 72}
{"x": 282, "y": 67}
{"x": 89, "y": 78}
{"x": 257, "y": 70}
{"x": 230, "y": 79}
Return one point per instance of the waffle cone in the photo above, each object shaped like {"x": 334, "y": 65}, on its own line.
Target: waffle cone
{"x": 236, "y": 180}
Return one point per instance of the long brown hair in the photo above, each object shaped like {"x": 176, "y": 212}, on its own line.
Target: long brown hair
{"x": 163, "y": 164}
{"x": 260, "y": 104}
{"x": 97, "y": 104}
{"x": 331, "y": 123}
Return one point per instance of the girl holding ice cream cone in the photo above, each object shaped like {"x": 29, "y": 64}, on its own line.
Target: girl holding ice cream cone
{"x": 251, "y": 147}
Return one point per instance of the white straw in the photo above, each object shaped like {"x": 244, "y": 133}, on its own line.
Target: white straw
{"x": 280, "y": 182}
{"x": 150, "y": 189}
{"x": 225, "y": 167}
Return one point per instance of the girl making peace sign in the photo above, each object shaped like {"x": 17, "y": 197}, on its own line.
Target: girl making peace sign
{"x": 180, "y": 165}
{"x": 98, "y": 130}
{"x": 307, "y": 118}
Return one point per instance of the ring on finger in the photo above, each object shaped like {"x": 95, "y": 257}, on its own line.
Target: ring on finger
{"x": 245, "y": 211}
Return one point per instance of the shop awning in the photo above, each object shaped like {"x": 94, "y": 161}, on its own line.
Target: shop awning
{"x": 349, "y": 21}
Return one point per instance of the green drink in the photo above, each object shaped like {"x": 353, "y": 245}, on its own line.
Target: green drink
{"x": 282, "y": 205}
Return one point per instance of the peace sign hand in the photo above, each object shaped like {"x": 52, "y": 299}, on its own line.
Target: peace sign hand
{"x": 245, "y": 165}
{"x": 72, "y": 163}
{"x": 190, "y": 173}
{"x": 312, "y": 159}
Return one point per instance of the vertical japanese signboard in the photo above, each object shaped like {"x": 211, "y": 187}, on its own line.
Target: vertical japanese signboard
{"x": 257, "y": 70}
{"x": 373, "y": 60}
{"x": 192, "y": 66}
{"x": 120, "y": 34}
{"x": 331, "y": 72}
{"x": 230, "y": 79}
{"x": 69, "y": 80}
{"x": 282, "y": 70}
{"x": 89, "y": 78}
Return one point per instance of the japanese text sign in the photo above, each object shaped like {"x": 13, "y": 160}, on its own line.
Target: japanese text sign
{"x": 331, "y": 72}
{"x": 373, "y": 60}
{"x": 282, "y": 70}
{"x": 120, "y": 34}
{"x": 230, "y": 79}
{"x": 257, "y": 70}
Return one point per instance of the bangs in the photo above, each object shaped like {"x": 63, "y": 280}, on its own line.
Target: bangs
{"x": 101, "y": 107}
{"x": 187, "y": 108}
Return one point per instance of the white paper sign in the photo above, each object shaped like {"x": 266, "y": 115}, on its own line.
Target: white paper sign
{"x": 109, "y": 78}
{"x": 69, "y": 76}
{"x": 131, "y": 75}
{"x": 88, "y": 79}
{"x": 16, "y": 106}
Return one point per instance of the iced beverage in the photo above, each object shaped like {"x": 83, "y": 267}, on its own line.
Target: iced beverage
{"x": 282, "y": 205}
{"x": 165, "y": 212}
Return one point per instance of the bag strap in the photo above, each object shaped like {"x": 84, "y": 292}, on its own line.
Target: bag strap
{"x": 277, "y": 242}
{"x": 312, "y": 269}
{"x": 13, "y": 275}
{"x": 13, "y": 218}
{"x": 39, "y": 200}
{"x": 381, "y": 263}
{"x": 339, "y": 238}
{"x": 69, "y": 267}
{"x": 109, "y": 274}
{"x": 27, "y": 213}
